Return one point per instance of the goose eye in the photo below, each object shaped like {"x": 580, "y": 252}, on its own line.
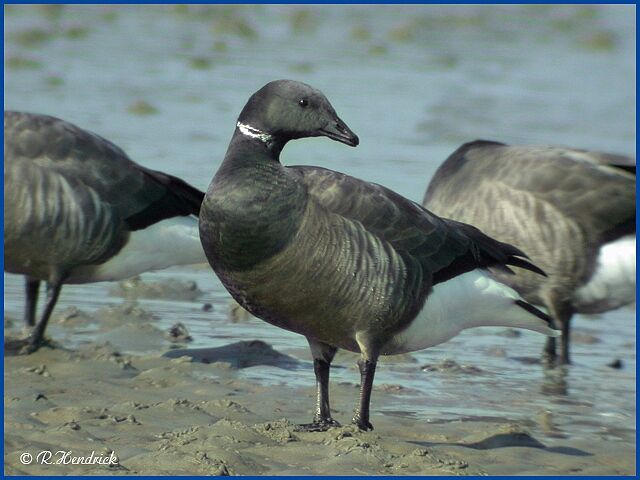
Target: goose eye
{"x": 303, "y": 102}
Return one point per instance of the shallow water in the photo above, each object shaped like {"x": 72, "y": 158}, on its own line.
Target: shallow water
{"x": 414, "y": 82}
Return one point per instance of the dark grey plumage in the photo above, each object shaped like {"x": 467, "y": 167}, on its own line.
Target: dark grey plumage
{"x": 348, "y": 264}
{"x": 71, "y": 202}
{"x": 559, "y": 205}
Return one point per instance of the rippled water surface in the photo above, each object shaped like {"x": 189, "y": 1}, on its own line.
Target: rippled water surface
{"x": 414, "y": 82}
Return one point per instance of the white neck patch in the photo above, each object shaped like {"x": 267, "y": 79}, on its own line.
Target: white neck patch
{"x": 253, "y": 132}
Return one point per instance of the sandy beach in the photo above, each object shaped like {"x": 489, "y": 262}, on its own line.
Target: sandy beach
{"x": 182, "y": 411}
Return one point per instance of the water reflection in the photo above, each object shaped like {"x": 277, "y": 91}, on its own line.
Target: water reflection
{"x": 555, "y": 381}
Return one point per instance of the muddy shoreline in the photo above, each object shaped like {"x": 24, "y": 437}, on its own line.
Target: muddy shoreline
{"x": 182, "y": 410}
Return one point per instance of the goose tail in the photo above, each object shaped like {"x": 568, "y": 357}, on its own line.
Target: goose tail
{"x": 537, "y": 320}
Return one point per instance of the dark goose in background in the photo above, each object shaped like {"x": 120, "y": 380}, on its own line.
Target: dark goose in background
{"x": 346, "y": 263}
{"x": 572, "y": 211}
{"x": 78, "y": 210}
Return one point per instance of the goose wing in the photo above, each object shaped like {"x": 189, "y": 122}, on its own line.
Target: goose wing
{"x": 141, "y": 196}
{"x": 443, "y": 248}
{"x": 594, "y": 192}
{"x": 621, "y": 163}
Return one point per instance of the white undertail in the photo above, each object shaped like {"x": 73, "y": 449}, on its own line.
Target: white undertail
{"x": 174, "y": 241}
{"x": 613, "y": 284}
{"x": 473, "y": 299}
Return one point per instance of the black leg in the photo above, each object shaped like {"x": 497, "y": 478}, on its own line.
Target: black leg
{"x": 561, "y": 312}
{"x": 35, "y": 340}
{"x": 549, "y": 352}
{"x": 323, "y": 410}
{"x": 322, "y": 356}
{"x": 555, "y": 381}
{"x": 565, "y": 340}
{"x": 32, "y": 286}
{"x": 367, "y": 372}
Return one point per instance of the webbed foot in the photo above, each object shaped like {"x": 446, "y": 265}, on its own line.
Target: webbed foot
{"x": 364, "y": 425}
{"x": 318, "y": 425}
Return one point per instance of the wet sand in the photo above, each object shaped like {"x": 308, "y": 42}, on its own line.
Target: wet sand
{"x": 178, "y": 411}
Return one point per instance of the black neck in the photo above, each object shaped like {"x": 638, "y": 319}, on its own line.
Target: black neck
{"x": 249, "y": 152}
{"x": 257, "y": 205}
{"x": 253, "y": 135}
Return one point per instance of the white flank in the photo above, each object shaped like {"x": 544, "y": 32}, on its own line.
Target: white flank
{"x": 174, "y": 241}
{"x": 473, "y": 299}
{"x": 613, "y": 284}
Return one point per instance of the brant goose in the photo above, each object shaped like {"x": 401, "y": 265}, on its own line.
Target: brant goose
{"x": 77, "y": 210}
{"x": 346, "y": 263}
{"x": 572, "y": 211}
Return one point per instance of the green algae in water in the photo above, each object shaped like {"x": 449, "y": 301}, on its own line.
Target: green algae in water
{"x": 141, "y": 108}
{"x": 301, "y": 67}
{"x": 404, "y": 33}
{"x": 23, "y": 63}
{"x": 604, "y": 41}
{"x": 414, "y": 28}
{"x": 192, "y": 98}
{"x": 220, "y": 46}
{"x": 360, "y": 33}
{"x": 54, "y": 81}
{"x": 204, "y": 12}
{"x": 230, "y": 21}
{"x": 200, "y": 63}
{"x": 585, "y": 12}
{"x": 52, "y": 12}
{"x": 235, "y": 26}
{"x": 76, "y": 32}
{"x": 446, "y": 61}
{"x": 109, "y": 16}
{"x": 181, "y": 9}
{"x": 303, "y": 21}
{"x": 477, "y": 19}
{"x": 32, "y": 36}
{"x": 378, "y": 50}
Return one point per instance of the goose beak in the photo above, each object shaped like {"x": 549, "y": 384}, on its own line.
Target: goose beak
{"x": 338, "y": 130}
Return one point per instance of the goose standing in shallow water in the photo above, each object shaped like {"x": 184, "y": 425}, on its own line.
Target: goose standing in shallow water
{"x": 572, "y": 211}
{"x": 78, "y": 210}
{"x": 346, "y": 263}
